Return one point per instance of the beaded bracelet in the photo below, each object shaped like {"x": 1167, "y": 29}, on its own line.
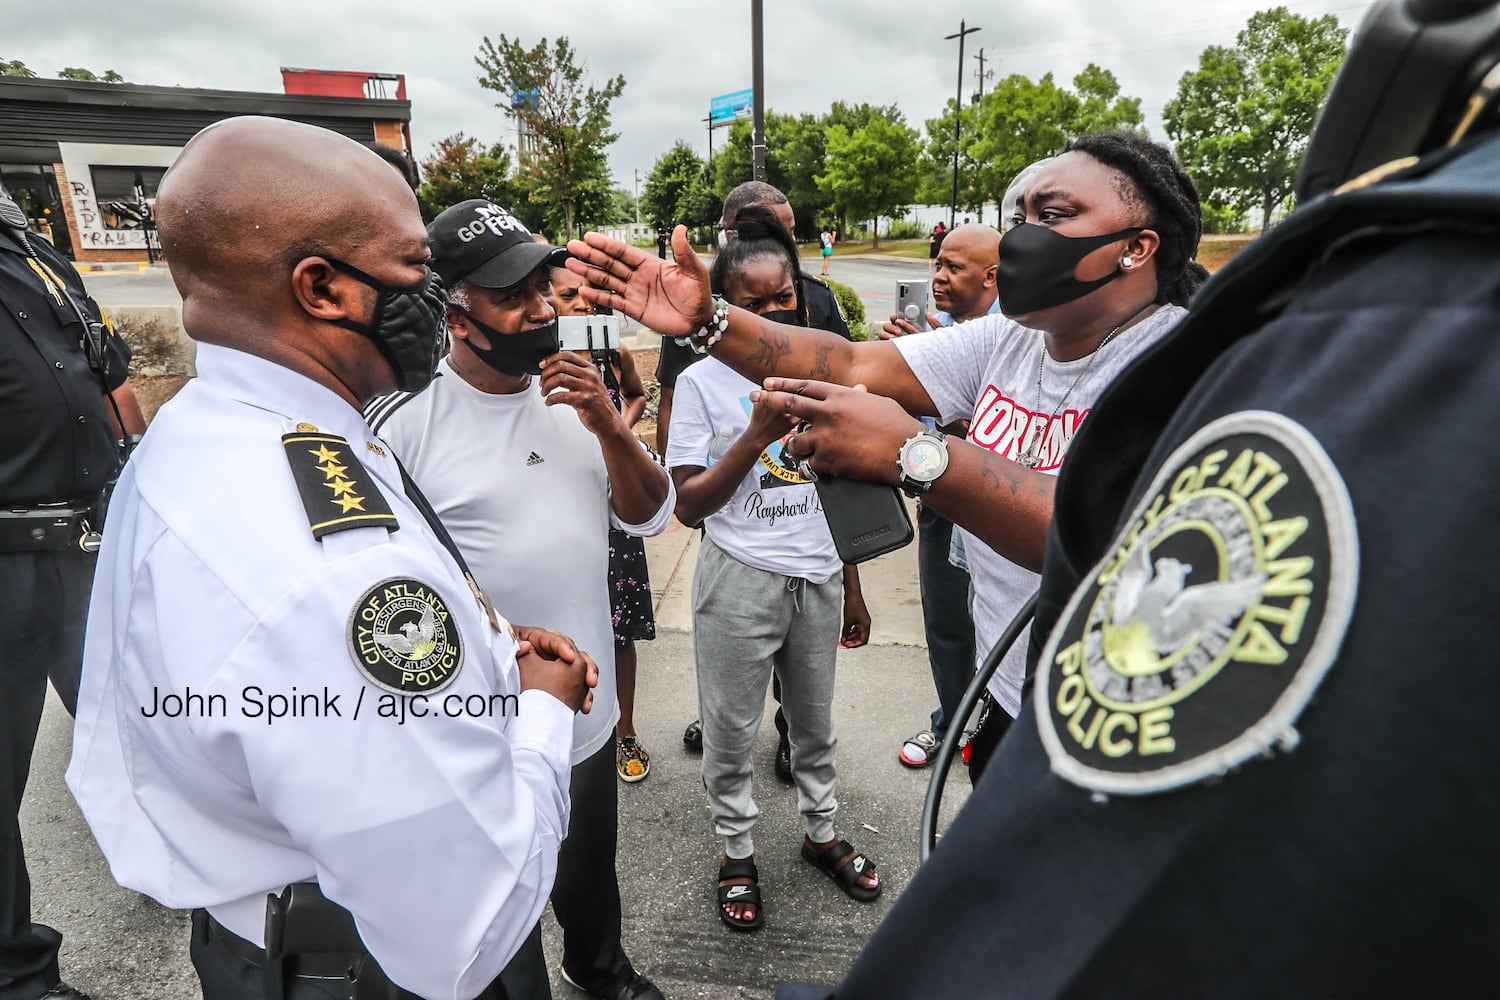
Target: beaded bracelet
{"x": 711, "y": 332}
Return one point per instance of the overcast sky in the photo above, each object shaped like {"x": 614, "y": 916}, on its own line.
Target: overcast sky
{"x": 675, "y": 55}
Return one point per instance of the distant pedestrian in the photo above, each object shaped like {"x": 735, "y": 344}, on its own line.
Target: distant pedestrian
{"x": 661, "y": 241}
{"x": 825, "y": 238}
{"x": 934, "y": 244}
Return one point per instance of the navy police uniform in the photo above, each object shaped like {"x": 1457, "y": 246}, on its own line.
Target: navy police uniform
{"x": 1256, "y": 757}
{"x": 58, "y": 451}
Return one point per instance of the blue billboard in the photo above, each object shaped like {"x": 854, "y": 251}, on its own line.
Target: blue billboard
{"x": 731, "y": 108}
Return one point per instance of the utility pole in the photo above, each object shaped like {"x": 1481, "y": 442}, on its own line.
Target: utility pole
{"x": 958, "y": 107}
{"x": 758, "y": 81}
{"x": 637, "y": 197}
{"x": 981, "y": 75}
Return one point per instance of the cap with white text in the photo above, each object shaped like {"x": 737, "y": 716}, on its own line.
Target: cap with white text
{"x": 479, "y": 242}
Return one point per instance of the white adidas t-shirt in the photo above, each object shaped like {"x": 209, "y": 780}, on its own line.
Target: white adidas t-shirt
{"x": 985, "y": 371}
{"x": 523, "y": 489}
{"x": 774, "y": 521}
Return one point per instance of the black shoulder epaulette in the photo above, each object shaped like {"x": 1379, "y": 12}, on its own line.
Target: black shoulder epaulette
{"x": 336, "y": 490}
{"x": 815, "y": 280}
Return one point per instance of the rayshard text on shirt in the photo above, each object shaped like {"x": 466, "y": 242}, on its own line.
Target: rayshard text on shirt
{"x": 255, "y": 702}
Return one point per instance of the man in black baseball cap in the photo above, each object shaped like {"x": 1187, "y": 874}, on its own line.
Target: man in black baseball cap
{"x": 544, "y": 445}
{"x": 479, "y": 242}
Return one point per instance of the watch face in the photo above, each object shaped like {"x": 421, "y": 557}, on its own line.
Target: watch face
{"x": 925, "y": 459}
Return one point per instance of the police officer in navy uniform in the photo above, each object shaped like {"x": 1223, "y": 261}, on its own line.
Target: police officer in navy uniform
{"x": 60, "y": 447}
{"x": 300, "y": 717}
{"x": 1257, "y": 757}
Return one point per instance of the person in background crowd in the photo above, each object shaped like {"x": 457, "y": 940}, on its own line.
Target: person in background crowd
{"x": 767, "y": 594}
{"x": 532, "y": 472}
{"x": 825, "y": 247}
{"x": 263, "y": 544}
{"x": 935, "y": 244}
{"x": 629, "y": 577}
{"x": 962, "y": 289}
{"x": 397, "y": 158}
{"x": 824, "y": 313}
{"x": 67, "y": 407}
{"x": 1096, "y": 269}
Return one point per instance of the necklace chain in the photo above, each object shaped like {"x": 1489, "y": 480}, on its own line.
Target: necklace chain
{"x": 1031, "y": 458}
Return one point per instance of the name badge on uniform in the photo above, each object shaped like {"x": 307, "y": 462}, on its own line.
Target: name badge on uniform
{"x": 1198, "y": 641}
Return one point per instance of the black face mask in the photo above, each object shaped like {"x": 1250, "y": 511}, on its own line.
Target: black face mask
{"x": 515, "y": 353}
{"x": 787, "y": 316}
{"x": 1037, "y": 266}
{"x": 407, "y": 324}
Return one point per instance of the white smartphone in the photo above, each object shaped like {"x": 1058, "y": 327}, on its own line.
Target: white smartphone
{"x": 588, "y": 333}
{"x": 911, "y": 302}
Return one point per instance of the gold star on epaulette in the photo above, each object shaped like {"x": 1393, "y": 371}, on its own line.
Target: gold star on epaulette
{"x": 327, "y": 461}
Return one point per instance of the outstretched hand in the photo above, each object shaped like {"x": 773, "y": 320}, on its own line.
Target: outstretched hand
{"x": 672, "y": 299}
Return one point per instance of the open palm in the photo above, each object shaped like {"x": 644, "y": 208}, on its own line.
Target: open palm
{"x": 672, "y": 299}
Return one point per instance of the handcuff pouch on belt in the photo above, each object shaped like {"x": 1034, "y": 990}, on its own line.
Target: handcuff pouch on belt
{"x": 312, "y": 937}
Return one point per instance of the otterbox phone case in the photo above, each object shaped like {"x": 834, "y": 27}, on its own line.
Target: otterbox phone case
{"x": 865, "y": 519}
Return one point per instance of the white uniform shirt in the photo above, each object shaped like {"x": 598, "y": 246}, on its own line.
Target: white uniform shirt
{"x": 774, "y": 521}
{"x": 523, "y": 488}
{"x": 985, "y": 371}
{"x": 439, "y": 834}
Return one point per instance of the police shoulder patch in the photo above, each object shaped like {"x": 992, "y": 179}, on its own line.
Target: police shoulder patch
{"x": 337, "y": 492}
{"x": 403, "y": 638}
{"x": 1200, "y": 638}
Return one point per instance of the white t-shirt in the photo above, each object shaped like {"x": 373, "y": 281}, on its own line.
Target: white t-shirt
{"x": 985, "y": 371}
{"x": 774, "y": 521}
{"x": 523, "y": 489}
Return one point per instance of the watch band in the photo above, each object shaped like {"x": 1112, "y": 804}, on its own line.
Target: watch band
{"x": 917, "y": 487}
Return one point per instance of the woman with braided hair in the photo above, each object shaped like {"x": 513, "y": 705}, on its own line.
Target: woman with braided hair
{"x": 1096, "y": 266}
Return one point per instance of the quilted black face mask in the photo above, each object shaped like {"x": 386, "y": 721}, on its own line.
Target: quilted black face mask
{"x": 407, "y": 324}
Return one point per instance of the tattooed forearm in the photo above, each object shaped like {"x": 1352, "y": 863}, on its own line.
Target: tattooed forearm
{"x": 1000, "y": 473}
{"x": 774, "y": 345}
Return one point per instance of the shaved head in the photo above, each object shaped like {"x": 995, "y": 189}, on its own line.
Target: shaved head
{"x": 249, "y": 214}
{"x": 964, "y": 283}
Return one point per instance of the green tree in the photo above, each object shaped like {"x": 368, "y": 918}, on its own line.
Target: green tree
{"x": 935, "y": 184}
{"x": 677, "y": 190}
{"x": 1242, "y": 119}
{"x": 15, "y": 67}
{"x": 794, "y": 157}
{"x": 88, "y": 76}
{"x": 544, "y": 89}
{"x": 459, "y": 169}
{"x": 1021, "y": 121}
{"x": 872, "y": 170}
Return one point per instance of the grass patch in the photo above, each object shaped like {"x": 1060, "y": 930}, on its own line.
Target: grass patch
{"x": 915, "y": 249}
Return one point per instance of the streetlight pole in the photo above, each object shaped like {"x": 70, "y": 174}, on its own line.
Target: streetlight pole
{"x": 637, "y": 197}
{"x": 758, "y": 81}
{"x": 958, "y": 108}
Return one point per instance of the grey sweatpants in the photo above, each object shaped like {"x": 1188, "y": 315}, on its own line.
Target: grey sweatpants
{"x": 747, "y": 622}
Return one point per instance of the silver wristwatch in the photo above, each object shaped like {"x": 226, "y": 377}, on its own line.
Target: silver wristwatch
{"x": 923, "y": 458}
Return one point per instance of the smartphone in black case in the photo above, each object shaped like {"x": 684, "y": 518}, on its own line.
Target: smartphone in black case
{"x": 865, "y": 519}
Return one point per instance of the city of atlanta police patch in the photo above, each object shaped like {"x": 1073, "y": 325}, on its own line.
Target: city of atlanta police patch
{"x": 1199, "y": 639}
{"x": 403, "y": 638}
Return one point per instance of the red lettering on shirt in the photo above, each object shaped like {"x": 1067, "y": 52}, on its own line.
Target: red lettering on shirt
{"x": 1007, "y": 428}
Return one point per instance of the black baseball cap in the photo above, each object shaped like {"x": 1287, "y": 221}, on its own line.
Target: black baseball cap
{"x": 479, "y": 242}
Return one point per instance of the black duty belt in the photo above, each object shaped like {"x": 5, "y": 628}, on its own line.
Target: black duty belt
{"x": 54, "y": 527}
{"x": 305, "y": 966}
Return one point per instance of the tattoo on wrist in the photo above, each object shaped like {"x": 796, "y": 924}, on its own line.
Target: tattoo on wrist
{"x": 821, "y": 369}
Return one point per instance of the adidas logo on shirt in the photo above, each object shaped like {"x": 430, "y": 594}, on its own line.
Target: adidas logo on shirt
{"x": 534, "y": 459}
